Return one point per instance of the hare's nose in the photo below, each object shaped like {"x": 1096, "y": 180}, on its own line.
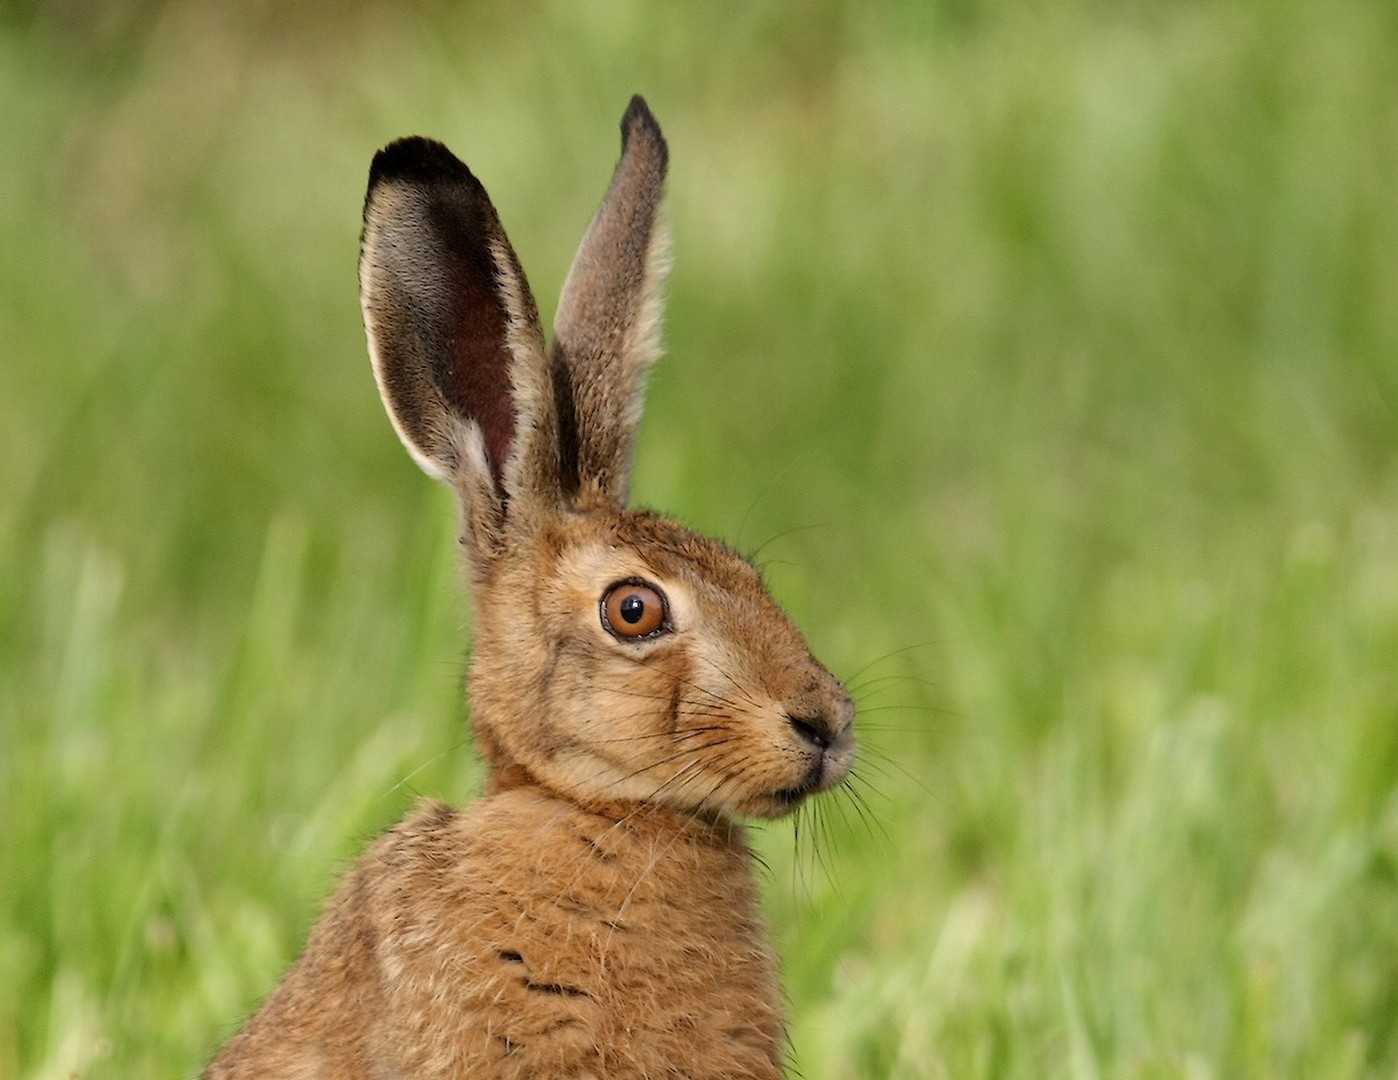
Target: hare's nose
{"x": 828, "y": 723}
{"x": 815, "y": 731}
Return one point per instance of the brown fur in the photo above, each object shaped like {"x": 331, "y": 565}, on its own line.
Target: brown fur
{"x": 594, "y": 913}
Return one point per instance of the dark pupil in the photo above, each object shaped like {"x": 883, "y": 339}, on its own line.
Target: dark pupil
{"x": 632, "y": 608}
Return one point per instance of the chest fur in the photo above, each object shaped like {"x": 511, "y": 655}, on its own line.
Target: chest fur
{"x": 550, "y": 941}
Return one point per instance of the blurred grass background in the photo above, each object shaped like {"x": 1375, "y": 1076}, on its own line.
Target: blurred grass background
{"x": 1064, "y": 334}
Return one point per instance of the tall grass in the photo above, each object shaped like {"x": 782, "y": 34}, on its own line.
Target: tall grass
{"x": 1049, "y": 354}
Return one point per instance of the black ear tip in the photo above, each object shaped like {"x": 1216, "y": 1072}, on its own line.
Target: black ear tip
{"x": 639, "y": 120}
{"x": 637, "y": 111}
{"x": 417, "y": 160}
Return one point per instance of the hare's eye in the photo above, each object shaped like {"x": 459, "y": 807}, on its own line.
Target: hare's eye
{"x": 633, "y": 609}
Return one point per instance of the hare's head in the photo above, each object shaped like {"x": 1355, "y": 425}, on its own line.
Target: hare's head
{"x": 618, "y": 656}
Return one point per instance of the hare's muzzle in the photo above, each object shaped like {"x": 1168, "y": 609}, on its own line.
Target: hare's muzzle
{"x": 829, "y": 737}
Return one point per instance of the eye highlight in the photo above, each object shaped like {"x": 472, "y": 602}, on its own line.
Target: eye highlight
{"x": 632, "y": 610}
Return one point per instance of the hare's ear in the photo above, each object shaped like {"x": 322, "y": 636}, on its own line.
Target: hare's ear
{"x": 454, "y": 336}
{"x": 607, "y": 331}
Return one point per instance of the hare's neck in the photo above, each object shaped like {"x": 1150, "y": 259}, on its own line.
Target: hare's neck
{"x": 624, "y": 831}
{"x": 645, "y": 823}
{"x": 506, "y": 776}
{"x": 503, "y": 772}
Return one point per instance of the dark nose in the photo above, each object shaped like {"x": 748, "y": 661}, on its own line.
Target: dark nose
{"x": 827, "y": 722}
{"x": 814, "y": 730}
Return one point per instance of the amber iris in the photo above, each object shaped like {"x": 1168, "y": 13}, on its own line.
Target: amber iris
{"x": 632, "y": 610}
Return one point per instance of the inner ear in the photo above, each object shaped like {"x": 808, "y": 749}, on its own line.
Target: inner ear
{"x": 473, "y": 371}
{"x": 448, "y": 309}
{"x": 565, "y": 407}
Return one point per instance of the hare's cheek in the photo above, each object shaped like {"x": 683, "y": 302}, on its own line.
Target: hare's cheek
{"x": 609, "y": 700}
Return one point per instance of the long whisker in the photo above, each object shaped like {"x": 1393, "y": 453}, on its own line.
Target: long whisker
{"x": 718, "y": 698}
{"x": 683, "y": 752}
{"x": 687, "y": 733}
{"x": 932, "y": 710}
{"x": 732, "y": 680}
{"x": 784, "y": 533}
{"x": 781, "y": 475}
{"x": 822, "y": 817}
{"x": 866, "y": 814}
{"x": 873, "y": 688}
{"x": 890, "y": 655}
{"x": 886, "y": 766}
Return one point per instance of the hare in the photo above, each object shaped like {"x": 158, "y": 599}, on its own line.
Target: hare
{"x": 634, "y": 691}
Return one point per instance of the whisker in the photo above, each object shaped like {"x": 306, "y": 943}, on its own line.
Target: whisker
{"x": 669, "y": 758}
{"x": 784, "y": 533}
{"x": 761, "y": 493}
{"x": 866, "y": 813}
{"x": 734, "y": 681}
{"x": 935, "y": 710}
{"x": 405, "y": 781}
{"x": 822, "y": 817}
{"x": 685, "y": 734}
{"x": 882, "y": 683}
{"x": 718, "y": 698}
{"x": 890, "y": 655}
{"x": 876, "y": 759}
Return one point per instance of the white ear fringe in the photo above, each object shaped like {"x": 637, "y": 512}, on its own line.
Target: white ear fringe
{"x": 467, "y": 448}
{"x": 482, "y": 512}
{"x": 643, "y": 344}
{"x": 432, "y": 467}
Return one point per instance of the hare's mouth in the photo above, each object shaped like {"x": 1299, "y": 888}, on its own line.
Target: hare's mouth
{"x": 789, "y": 797}
{"x": 826, "y": 771}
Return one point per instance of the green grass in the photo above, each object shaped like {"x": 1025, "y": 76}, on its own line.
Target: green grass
{"x": 1065, "y": 336}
